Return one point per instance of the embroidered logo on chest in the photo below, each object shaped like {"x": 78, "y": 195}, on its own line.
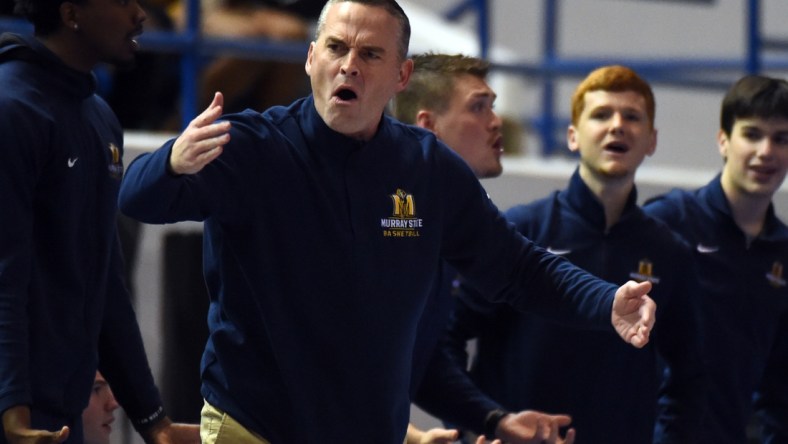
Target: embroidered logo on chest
{"x": 403, "y": 221}
{"x": 775, "y": 276}
{"x": 645, "y": 272}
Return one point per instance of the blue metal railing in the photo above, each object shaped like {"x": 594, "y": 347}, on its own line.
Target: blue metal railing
{"x": 689, "y": 73}
{"x": 695, "y": 73}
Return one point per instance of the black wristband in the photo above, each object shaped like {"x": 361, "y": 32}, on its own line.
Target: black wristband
{"x": 491, "y": 422}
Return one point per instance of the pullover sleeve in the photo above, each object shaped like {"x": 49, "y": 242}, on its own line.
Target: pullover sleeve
{"x": 149, "y": 193}
{"x": 447, "y": 391}
{"x": 152, "y": 194}
{"x": 504, "y": 266}
{"x": 21, "y": 157}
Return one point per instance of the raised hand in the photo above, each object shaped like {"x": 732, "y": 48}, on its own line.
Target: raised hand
{"x": 202, "y": 141}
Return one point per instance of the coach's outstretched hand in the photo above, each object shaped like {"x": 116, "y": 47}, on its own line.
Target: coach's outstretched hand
{"x": 634, "y": 313}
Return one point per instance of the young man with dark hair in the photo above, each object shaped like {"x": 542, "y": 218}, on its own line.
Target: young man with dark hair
{"x": 740, "y": 247}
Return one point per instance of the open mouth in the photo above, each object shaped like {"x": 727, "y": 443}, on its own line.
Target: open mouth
{"x": 498, "y": 144}
{"x": 617, "y": 147}
{"x": 133, "y": 38}
{"x": 346, "y": 94}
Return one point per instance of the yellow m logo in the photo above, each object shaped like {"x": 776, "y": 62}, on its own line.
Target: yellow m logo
{"x": 403, "y": 204}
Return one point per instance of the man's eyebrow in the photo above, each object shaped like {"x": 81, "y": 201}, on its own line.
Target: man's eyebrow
{"x": 334, "y": 40}
{"x": 370, "y": 48}
{"x": 484, "y": 94}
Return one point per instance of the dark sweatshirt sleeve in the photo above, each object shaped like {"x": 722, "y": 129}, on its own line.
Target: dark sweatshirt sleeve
{"x": 149, "y": 193}
{"x": 21, "y": 157}
{"x": 152, "y": 194}
{"x": 506, "y": 267}
{"x": 122, "y": 357}
{"x": 448, "y": 391}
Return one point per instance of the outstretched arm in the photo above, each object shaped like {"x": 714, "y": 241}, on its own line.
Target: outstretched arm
{"x": 633, "y": 313}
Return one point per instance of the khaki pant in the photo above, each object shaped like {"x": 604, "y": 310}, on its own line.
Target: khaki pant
{"x": 217, "y": 427}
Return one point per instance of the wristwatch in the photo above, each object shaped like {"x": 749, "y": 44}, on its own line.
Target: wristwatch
{"x": 491, "y": 422}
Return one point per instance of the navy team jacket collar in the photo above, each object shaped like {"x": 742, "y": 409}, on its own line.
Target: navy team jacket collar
{"x": 714, "y": 197}
{"x": 318, "y": 133}
{"x": 585, "y": 203}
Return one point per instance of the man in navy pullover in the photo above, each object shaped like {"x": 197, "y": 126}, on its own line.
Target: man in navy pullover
{"x": 64, "y": 307}
{"x": 325, "y": 223}
{"x": 740, "y": 248}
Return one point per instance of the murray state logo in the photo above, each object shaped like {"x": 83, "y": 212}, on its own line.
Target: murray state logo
{"x": 645, "y": 272}
{"x": 115, "y": 166}
{"x": 775, "y": 277}
{"x": 403, "y": 221}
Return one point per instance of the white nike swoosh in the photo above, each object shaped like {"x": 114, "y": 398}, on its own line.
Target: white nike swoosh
{"x": 707, "y": 249}
{"x": 558, "y": 251}
{"x": 72, "y": 162}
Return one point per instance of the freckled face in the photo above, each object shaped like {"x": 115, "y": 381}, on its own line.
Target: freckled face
{"x": 613, "y": 134}
{"x": 355, "y": 68}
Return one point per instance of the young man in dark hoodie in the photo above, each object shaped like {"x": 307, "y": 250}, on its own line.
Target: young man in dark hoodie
{"x": 64, "y": 307}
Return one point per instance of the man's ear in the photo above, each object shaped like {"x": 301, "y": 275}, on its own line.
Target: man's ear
{"x": 653, "y": 143}
{"x": 405, "y": 70}
{"x": 308, "y": 63}
{"x": 722, "y": 143}
{"x": 571, "y": 139}
{"x": 425, "y": 119}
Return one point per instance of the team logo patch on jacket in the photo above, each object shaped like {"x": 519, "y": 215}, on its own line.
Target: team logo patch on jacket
{"x": 115, "y": 165}
{"x": 403, "y": 221}
{"x": 645, "y": 272}
{"x": 775, "y": 276}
